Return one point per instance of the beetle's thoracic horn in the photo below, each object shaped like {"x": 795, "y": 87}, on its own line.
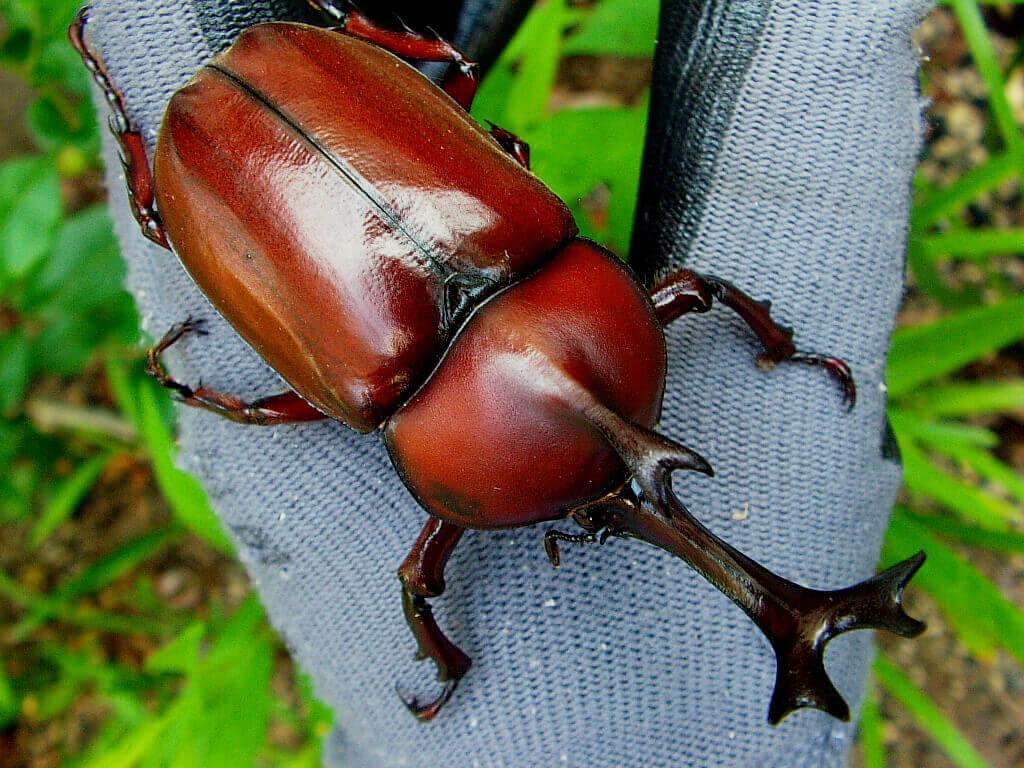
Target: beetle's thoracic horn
{"x": 797, "y": 621}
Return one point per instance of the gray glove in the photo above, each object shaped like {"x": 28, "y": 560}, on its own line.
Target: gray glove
{"x": 782, "y": 140}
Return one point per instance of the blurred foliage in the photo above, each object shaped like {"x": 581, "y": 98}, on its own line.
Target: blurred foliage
{"x": 64, "y": 318}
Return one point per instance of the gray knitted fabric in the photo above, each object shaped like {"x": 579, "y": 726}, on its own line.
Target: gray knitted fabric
{"x": 785, "y": 136}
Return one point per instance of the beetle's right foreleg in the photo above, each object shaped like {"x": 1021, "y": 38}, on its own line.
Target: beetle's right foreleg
{"x": 688, "y": 291}
{"x": 422, "y": 576}
{"x": 137, "y": 172}
{"x": 286, "y": 408}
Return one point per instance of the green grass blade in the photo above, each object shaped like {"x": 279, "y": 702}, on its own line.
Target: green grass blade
{"x": 982, "y": 617}
{"x": 977, "y": 37}
{"x": 988, "y": 466}
{"x": 8, "y": 700}
{"x": 67, "y": 497}
{"x": 966, "y": 189}
{"x": 938, "y": 726}
{"x": 974, "y": 244}
{"x": 921, "y": 476}
{"x": 115, "y": 367}
{"x": 909, "y": 424}
{"x": 132, "y": 748}
{"x": 922, "y": 353}
{"x": 307, "y": 757}
{"x": 871, "y": 743}
{"x": 182, "y": 491}
{"x": 959, "y": 399}
{"x": 60, "y": 603}
{"x": 927, "y": 276}
{"x": 124, "y": 559}
{"x": 1008, "y": 542}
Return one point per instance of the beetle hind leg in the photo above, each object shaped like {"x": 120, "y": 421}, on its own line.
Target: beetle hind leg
{"x": 137, "y": 173}
{"x": 688, "y": 291}
{"x": 422, "y": 576}
{"x": 286, "y": 408}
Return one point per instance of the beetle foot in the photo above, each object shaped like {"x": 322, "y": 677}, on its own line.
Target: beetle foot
{"x": 452, "y": 664}
{"x": 836, "y": 368}
{"x": 551, "y": 539}
{"x": 333, "y": 10}
{"x": 156, "y": 369}
{"x": 427, "y": 710}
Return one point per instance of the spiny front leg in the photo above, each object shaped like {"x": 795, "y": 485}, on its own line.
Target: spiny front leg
{"x": 137, "y": 173}
{"x": 422, "y": 576}
{"x": 689, "y": 291}
{"x": 286, "y": 408}
{"x": 462, "y": 79}
{"x": 518, "y": 149}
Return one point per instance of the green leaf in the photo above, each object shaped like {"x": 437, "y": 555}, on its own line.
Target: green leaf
{"x": 617, "y": 28}
{"x": 938, "y": 726}
{"x": 67, "y": 496}
{"x": 51, "y": 129}
{"x": 15, "y": 369}
{"x": 30, "y": 207}
{"x": 580, "y": 152}
{"x": 539, "y": 46}
{"x": 307, "y": 757}
{"x": 926, "y": 352}
{"x": 78, "y": 295}
{"x": 85, "y": 269}
{"x": 181, "y": 655}
{"x": 182, "y": 491}
{"x": 982, "y": 617}
{"x": 235, "y": 685}
{"x": 17, "y": 46}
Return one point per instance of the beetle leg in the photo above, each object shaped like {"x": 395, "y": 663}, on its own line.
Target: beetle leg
{"x": 286, "y": 408}
{"x": 462, "y": 78}
{"x": 797, "y": 621}
{"x": 512, "y": 144}
{"x": 137, "y": 172}
{"x": 422, "y": 576}
{"x": 688, "y": 291}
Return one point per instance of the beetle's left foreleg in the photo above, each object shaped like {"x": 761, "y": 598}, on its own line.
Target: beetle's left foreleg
{"x": 137, "y": 172}
{"x": 688, "y": 291}
{"x": 422, "y": 576}
{"x": 286, "y": 408}
{"x": 462, "y": 79}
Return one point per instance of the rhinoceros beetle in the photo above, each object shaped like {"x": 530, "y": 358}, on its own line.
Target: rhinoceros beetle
{"x": 402, "y": 270}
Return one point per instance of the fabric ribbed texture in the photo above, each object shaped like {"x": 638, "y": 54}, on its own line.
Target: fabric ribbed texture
{"x": 796, "y": 188}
